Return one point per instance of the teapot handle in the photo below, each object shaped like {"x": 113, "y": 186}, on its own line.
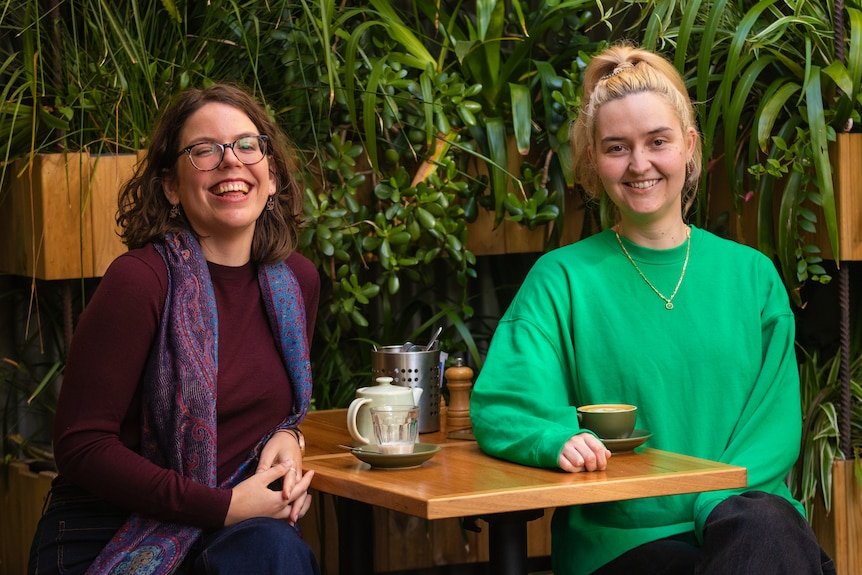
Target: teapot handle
{"x": 352, "y": 412}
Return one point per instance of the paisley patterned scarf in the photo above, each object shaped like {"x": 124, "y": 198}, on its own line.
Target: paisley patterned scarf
{"x": 179, "y": 422}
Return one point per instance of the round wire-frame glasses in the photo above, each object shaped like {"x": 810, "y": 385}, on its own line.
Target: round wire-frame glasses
{"x": 206, "y": 156}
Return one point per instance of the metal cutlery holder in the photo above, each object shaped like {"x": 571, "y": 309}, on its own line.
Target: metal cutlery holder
{"x": 413, "y": 369}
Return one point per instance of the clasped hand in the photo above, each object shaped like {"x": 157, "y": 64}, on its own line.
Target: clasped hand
{"x": 280, "y": 459}
{"x": 584, "y": 452}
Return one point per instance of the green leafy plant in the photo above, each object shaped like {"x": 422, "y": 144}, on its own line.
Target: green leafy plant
{"x": 32, "y": 362}
{"x": 812, "y": 476}
{"x": 387, "y": 129}
{"x": 413, "y": 113}
{"x": 442, "y": 78}
{"x": 405, "y": 113}
{"x": 776, "y": 80}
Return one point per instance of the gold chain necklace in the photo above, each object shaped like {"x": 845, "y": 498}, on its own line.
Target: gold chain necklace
{"x": 668, "y": 301}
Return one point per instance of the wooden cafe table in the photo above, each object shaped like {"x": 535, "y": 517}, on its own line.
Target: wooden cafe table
{"x": 461, "y": 481}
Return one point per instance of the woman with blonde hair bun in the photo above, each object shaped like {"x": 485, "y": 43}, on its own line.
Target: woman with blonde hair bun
{"x": 693, "y": 329}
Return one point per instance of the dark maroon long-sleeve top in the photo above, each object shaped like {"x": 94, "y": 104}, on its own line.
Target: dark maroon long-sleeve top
{"x": 97, "y": 425}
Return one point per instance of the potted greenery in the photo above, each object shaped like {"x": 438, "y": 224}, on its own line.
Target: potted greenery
{"x": 416, "y": 100}
{"x": 384, "y": 238}
{"x": 828, "y": 482}
{"x": 776, "y": 91}
{"x": 394, "y": 106}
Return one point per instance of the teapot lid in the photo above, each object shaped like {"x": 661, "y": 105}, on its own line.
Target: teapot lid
{"x": 385, "y": 387}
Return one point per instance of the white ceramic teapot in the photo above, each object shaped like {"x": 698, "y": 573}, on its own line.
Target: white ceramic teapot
{"x": 384, "y": 393}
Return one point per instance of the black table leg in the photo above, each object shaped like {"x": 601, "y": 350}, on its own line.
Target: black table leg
{"x": 507, "y": 541}
{"x": 355, "y": 537}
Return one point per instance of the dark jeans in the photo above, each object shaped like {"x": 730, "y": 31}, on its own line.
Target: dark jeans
{"x": 260, "y": 545}
{"x": 750, "y": 533}
{"x": 76, "y": 527}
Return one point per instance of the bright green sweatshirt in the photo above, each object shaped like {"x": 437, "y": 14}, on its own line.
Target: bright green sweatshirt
{"x": 715, "y": 377}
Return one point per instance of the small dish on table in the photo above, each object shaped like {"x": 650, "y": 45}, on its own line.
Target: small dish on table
{"x": 372, "y": 455}
{"x": 636, "y": 439}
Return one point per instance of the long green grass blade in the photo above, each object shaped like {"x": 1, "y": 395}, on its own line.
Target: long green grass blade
{"x": 350, "y": 58}
{"x": 707, "y": 49}
{"x": 732, "y": 108}
{"x": 369, "y": 111}
{"x": 397, "y": 30}
{"x": 491, "y": 49}
{"x": 853, "y": 69}
{"x": 485, "y": 17}
{"x": 454, "y": 315}
{"x": 325, "y": 8}
{"x": 497, "y": 150}
{"x": 820, "y": 150}
{"x": 774, "y": 103}
{"x": 521, "y": 116}
{"x": 766, "y": 229}
{"x": 654, "y": 25}
{"x": 791, "y": 197}
{"x": 703, "y": 75}
{"x": 737, "y": 52}
{"x": 686, "y": 27}
{"x": 425, "y": 85}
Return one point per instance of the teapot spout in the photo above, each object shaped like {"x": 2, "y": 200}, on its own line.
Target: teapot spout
{"x": 417, "y": 393}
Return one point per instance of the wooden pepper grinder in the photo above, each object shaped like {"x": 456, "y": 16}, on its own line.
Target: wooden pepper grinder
{"x": 459, "y": 379}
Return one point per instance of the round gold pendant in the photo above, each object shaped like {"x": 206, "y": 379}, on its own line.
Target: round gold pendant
{"x": 668, "y": 305}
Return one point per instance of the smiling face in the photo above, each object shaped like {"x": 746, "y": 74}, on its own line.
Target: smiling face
{"x": 640, "y": 154}
{"x": 222, "y": 205}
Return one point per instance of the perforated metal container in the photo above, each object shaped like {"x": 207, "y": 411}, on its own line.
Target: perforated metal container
{"x": 413, "y": 369}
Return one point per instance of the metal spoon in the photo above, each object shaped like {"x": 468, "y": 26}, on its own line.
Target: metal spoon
{"x": 433, "y": 339}
{"x": 359, "y": 448}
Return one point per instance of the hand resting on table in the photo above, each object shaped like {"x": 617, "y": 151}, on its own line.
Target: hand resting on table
{"x": 584, "y": 452}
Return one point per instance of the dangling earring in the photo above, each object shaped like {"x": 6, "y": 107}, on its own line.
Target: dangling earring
{"x": 175, "y": 211}
{"x": 270, "y": 204}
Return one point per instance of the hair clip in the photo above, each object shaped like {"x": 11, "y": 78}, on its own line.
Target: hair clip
{"x": 622, "y": 67}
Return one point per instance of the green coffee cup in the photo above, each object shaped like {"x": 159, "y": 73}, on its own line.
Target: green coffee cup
{"x": 608, "y": 420}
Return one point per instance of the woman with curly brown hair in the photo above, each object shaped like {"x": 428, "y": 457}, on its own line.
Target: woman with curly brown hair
{"x": 176, "y": 434}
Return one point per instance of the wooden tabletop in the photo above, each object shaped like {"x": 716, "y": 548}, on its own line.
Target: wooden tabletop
{"x": 460, "y": 480}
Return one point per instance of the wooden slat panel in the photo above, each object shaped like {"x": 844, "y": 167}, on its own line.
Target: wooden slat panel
{"x": 511, "y": 237}
{"x": 848, "y": 188}
{"x": 846, "y": 157}
{"x": 108, "y": 174}
{"x": 22, "y": 498}
{"x": 840, "y": 532}
{"x": 47, "y": 235}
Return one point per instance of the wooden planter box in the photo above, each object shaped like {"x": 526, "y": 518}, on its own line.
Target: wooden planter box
{"x": 57, "y": 220}
{"x": 840, "y": 532}
{"x": 483, "y": 239}
{"x": 846, "y": 157}
{"x": 22, "y": 494}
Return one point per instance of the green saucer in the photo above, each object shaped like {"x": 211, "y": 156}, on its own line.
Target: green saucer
{"x": 369, "y": 454}
{"x": 636, "y": 439}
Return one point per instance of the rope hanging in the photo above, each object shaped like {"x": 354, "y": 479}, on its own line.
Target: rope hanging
{"x": 843, "y": 291}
